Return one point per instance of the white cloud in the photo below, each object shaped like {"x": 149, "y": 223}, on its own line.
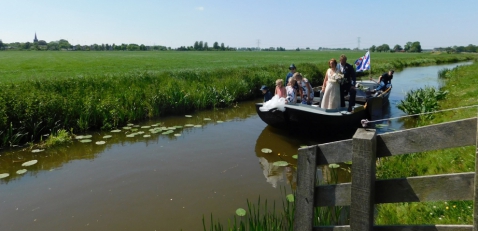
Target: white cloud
{"x": 200, "y": 8}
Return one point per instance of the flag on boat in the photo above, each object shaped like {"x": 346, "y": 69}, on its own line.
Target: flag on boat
{"x": 363, "y": 63}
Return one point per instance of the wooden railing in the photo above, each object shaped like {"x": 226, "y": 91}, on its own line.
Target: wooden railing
{"x": 365, "y": 191}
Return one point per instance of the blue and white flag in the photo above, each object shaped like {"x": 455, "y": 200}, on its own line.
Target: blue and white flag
{"x": 363, "y": 63}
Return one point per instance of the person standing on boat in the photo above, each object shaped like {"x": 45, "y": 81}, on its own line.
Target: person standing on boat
{"x": 291, "y": 92}
{"x": 348, "y": 85}
{"x": 305, "y": 89}
{"x": 385, "y": 80}
{"x": 267, "y": 94}
{"x": 292, "y": 70}
{"x": 331, "y": 87}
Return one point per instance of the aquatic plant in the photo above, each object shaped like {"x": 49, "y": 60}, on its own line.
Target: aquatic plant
{"x": 422, "y": 100}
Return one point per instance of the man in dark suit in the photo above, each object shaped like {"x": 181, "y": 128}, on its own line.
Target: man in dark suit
{"x": 347, "y": 86}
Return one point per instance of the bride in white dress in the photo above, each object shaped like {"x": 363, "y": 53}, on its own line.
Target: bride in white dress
{"x": 331, "y": 94}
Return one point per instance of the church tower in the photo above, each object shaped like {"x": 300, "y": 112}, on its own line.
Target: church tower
{"x": 35, "y": 40}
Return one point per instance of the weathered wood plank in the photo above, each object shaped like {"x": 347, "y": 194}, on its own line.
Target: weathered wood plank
{"x": 445, "y": 187}
{"x": 426, "y": 188}
{"x": 402, "y": 228}
{"x": 334, "y": 152}
{"x": 363, "y": 180}
{"x": 446, "y": 135}
{"x": 306, "y": 172}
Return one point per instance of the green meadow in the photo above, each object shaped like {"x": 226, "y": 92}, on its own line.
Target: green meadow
{"x": 43, "y": 92}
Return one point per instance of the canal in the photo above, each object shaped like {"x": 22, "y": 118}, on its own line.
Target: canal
{"x": 212, "y": 162}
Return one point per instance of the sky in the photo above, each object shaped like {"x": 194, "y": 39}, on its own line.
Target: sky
{"x": 243, "y": 23}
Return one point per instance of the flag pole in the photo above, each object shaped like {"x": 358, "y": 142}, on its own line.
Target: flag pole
{"x": 370, "y": 66}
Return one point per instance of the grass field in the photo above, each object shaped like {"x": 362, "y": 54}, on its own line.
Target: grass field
{"x": 30, "y": 65}
{"x": 77, "y": 91}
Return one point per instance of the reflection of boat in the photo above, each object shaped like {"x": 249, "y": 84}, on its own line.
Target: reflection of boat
{"x": 315, "y": 119}
{"x": 283, "y": 148}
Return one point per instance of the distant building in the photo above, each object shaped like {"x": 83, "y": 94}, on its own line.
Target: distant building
{"x": 35, "y": 40}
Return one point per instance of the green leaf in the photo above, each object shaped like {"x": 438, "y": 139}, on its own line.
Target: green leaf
{"x": 290, "y": 198}
{"x": 3, "y": 175}
{"x": 266, "y": 150}
{"x": 280, "y": 163}
{"x": 241, "y": 212}
{"x": 30, "y": 163}
{"x": 295, "y": 156}
{"x": 21, "y": 171}
{"x": 334, "y": 165}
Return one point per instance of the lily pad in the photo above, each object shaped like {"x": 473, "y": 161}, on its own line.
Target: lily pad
{"x": 30, "y": 163}
{"x": 189, "y": 116}
{"x": 87, "y": 136}
{"x": 85, "y": 141}
{"x": 135, "y": 126}
{"x": 144, "y": 127}
{"x": 266, "y": 150}
{"x": 334, "y": 165}
{"x": 155, "y": 125}
{"x": 100, "y": 142}
{"x": 126, "y": 128}
{"x": 241, "y": 212}
{"x": 207, "y": 118}
{"x": 348, "y": 162}
{"x": 219, "y": 121}
{"x": 134, "y": 129}
{"x": 21, "y": 171}
{"x": 189, "y": 125}
{"x": 290, "y": 198}
{"x": 140, "y": 132}
{"x": 178, "y": 126}
{"x": 131, "y": 135}
{"x": 37, "y": 150}
{"x": 79, "y": 137}
{"x": 130, "y": 125}
{"x": 117, "y": 130}
{"x": 171, "y": 128}
{"x": 146, "y": 136}
{"x": 107, "y": 136}
{"x": 177, "y": 134}
{"x": 280, "y": 163}
{"x": 3, "y": 175}
{"x": 197, "y": 126}
{"x": 295, "y": 156}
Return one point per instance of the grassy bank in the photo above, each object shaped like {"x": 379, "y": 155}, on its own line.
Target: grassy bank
{"x": 462, "y": 86}
{"x": 49, "y": 97}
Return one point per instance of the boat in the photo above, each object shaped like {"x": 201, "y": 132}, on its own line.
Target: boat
{"x": 312, "y": 118}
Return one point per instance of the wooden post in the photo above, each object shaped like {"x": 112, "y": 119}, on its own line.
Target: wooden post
{"x": 475, "y": 198}
{"x": 363, "y": 180}
{"x": 304, "y": 205}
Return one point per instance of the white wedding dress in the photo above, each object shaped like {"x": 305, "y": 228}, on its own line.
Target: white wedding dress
{"x": 331, "y": 97}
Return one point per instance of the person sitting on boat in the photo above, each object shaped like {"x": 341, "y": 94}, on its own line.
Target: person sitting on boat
{"x": 267, "y": 94}
{"x": 291, "y": 92}
{"x": 305, "y": 89}
{"x": 384, "y": 81}
{"x": 280, "y": 89}
{"x": 331, "y": 87}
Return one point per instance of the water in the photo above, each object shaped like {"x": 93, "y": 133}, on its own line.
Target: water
{"x": 163, "y": 182}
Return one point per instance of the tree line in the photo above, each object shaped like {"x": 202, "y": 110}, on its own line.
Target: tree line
{"x": 458, "y": 49}
{"x": 413, "y": 47}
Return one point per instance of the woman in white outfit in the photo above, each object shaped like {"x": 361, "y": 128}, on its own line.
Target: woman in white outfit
{"x": 331, "y": 87}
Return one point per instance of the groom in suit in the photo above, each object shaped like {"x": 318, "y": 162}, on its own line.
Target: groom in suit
{"x": 347, "y": 86}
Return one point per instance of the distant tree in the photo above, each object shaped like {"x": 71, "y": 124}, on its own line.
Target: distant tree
{"x": 1, "y": 45}
{"x": 307, "y": 48}
{"x": 132, "y": 47}
{"x": 42, "y": 43}
{"x": 206, "y": 47}
{"x": 222, "y": 46}
{"x": 215, "y": 46}
{"x": 78, "y": 47}
{"x": 397, "y": 48}
{"x": 373, "y": 48}
{"x": 63, "y": 44}
{"x": 201, "y": 46}
{"x": 53, "y": 46}
{"x": 196, "y": 45}
{"x": 297, "y": 49}
{"x": 26, "y": 46}
{"x": 142, "y": 47}
{"x": 408, "y": 46}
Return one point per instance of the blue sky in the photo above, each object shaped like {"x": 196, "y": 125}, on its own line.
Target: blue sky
{"x": 289, "y": 24}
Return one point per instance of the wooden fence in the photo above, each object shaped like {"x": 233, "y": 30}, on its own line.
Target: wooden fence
{"x": 365, "y": 191}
